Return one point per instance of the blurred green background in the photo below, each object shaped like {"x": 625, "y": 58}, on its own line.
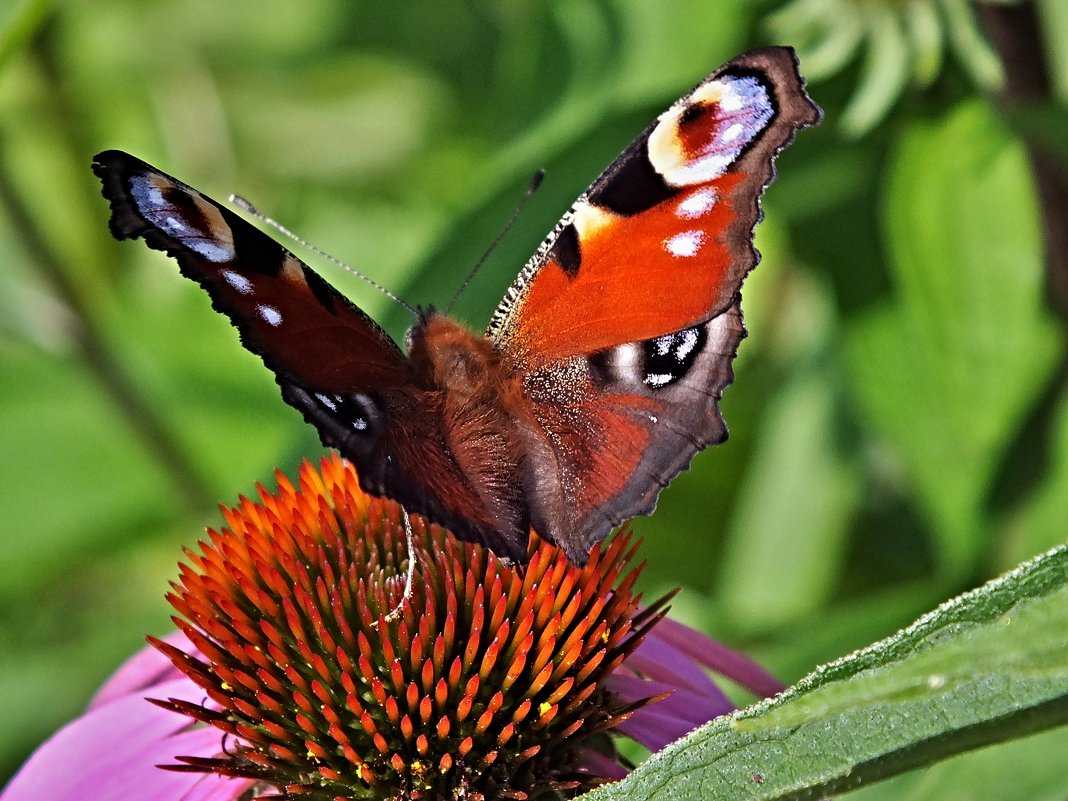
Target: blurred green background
{"x": 899, "y": 422}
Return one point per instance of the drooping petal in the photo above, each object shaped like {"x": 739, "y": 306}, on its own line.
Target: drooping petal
{"x": 656, "y": 725}
{"x": 658, "y": 660}
{"x": 715, "y": 656}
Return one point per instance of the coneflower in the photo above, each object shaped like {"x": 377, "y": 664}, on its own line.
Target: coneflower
{"x": 492, "y": 682}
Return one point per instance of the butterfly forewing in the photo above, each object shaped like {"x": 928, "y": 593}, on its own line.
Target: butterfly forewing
{"x": 333, "y": 363}
{"x": 304, "y": 329}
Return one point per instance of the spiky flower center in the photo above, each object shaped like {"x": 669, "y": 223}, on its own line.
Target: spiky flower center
{"x": 488, "y": 685}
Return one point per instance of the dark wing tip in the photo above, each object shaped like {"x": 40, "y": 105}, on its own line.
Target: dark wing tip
{"x": 783, "y": 61}
{"x": 113, "y": 168}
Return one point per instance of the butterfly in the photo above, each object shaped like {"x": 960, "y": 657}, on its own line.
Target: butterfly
{"x": 600, "y": 373}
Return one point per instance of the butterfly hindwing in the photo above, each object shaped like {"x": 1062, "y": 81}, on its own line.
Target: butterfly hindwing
{"x": 625, "y": 322}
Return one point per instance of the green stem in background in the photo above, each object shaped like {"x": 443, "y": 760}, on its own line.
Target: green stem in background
{"x": 192, "y": 491}
{"x": 1015, "y": 32}
{"x": 21, "y": 26}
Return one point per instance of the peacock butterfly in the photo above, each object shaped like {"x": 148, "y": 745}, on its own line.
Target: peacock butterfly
{"x": 600, "y": 373}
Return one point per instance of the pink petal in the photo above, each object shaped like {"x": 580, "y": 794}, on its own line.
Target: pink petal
{"x": 691, "y": 707}
{"x": 661, "y": 660}
{"x": 655, "y": 725}
{"x": 141, "y": 671}
{"x": 111, "y": 752}
{"x": 597, "y": 764}
{"x": 717, "y": 657}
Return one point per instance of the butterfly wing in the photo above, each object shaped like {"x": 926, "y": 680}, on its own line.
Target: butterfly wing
{"x": 625, "y": 322}
{"x": 332, "y": 361}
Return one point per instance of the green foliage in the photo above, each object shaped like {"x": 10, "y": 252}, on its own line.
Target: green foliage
{"x": 986, "y": 666}
{"x": 899, "y": 422}
{"x": 902, "y": 41}
{"x": 966, "y": 331}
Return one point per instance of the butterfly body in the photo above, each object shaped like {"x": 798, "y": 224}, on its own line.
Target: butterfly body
{"x": 600, "y": 373}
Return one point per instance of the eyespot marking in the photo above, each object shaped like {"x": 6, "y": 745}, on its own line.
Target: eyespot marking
{"x": 670, "y": 357}
{"x": 680, "y": 344}
{"x": 696, "y": 141}
{"x": 184, "y": 215}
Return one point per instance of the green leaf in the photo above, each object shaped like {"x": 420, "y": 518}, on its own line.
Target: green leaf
{"x": 1031, "y": 768}
{"x": 946, "y": 370}
{"x": 988, "y": 666}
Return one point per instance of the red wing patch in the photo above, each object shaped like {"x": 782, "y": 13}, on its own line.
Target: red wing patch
{"x": 663, "y": 239}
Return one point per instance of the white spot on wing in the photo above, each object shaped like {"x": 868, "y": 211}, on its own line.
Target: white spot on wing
{"x": 730, "y": 100}
{"x": 733, "y": 132}
{"x": 657, "y": 380}
{"x": 326, "y": 401}
{"x": 685, "y": 347}
{"x": 173, "y": 224}
{"x": 209, "y": 249}
{"x": 270, "y": 315}
{"x": 237, "y": 281}
{"x": 626, "y": 359}
{"x": 367, "y": 406}
{"x": 705, "y": 169}
{"x": 685, "y": 244}
{"x": 696, "y": 203}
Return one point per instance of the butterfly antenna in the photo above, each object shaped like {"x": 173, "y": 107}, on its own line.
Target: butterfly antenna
{"x": 248, "y": 208}
{"x": 395, "y": 612}
{"x": 532, "y": 187}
